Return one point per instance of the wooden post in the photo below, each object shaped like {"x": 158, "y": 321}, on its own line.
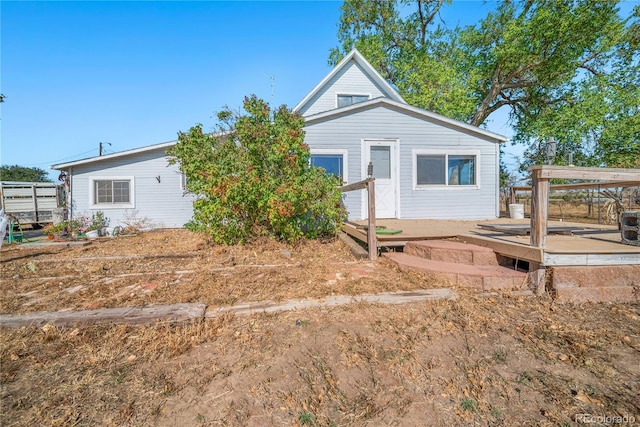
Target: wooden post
{"x": 372, "y": 240}
{"x": 539, "y": 218}
{"x": 512, "y": 195}
{"x": 35, "y": 202}
{"x": 598, "y": 204}
{"x": 539, "y": 209}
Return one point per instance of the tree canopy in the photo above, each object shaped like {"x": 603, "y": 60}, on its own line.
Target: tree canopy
{"x": 253, "y": 177}
{"x": 564, "y": 69}
{"x": 23, "y": 174}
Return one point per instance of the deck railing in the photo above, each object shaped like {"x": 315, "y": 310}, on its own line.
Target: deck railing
{"x": 369, "y": 185}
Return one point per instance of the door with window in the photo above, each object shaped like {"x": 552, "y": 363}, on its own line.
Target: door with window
{"x": 382, "y": 155}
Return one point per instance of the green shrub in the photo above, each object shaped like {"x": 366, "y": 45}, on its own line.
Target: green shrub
{"x": 254, "y": 178}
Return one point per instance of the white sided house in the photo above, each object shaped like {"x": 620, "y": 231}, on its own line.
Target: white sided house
{"x": 129, "y": 186}
{"x": 425, "y": 165}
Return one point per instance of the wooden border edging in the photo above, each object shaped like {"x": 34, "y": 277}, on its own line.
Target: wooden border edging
{"x": 400, "y": 297}
{"x": 128, "y": 315}
{"x": 356, "y": 250}
{"x": 187, "y": 312}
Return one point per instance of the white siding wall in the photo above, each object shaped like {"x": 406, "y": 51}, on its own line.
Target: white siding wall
{"x": 413, "y": 133}
{"x": 350, "y": 80}
{"x": 163, "y": 203}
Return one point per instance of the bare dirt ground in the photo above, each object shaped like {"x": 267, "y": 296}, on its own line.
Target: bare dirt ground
{"x": 500, "y": 360}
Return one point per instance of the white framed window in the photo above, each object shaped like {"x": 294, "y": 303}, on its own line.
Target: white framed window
{"x": 446, "y": 169}
{"x": 111, "y": 192}
{"x": 346, "y": 99}
{"x": 334, "y": 161}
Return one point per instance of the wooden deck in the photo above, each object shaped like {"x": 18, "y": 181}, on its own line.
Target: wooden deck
{"x": 580, "y": 243}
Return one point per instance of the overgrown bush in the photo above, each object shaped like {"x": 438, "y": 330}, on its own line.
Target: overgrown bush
{"x": 253, "y": 177}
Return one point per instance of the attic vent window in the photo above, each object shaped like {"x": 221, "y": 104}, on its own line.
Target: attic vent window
{"x": 346, "y": 100}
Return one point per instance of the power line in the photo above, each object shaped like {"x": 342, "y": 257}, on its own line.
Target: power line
{"x": 60, "y": 160}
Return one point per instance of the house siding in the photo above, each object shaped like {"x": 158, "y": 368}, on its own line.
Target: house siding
{"x": 349, "y": 80}
{"x": 163, "y": 203}
{"x": 413, "y": 133}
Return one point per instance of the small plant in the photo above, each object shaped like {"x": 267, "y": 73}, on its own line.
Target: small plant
{"x": 306, "y": 418}
{"x": 523, "y": 378}
{"x": 98, "y": 221}
{"x": 79, "y": 225}
{"x": 62, "y": 229}
{"x": 49, "y": 230}
{"x": 496, "y": 413}
{"x": 500, "y": 356}
{"x": 468, "y": 404}
{"x": 134, "y": 223}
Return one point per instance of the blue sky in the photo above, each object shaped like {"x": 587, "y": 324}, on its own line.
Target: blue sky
{"x": 132, "y": 74}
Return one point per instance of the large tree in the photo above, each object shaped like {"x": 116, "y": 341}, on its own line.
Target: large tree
{"x": 536, "y": 57}
{"x": 253, "y": 177}
{"x": 23, "y": 174}
{"x": 599, "y": 124}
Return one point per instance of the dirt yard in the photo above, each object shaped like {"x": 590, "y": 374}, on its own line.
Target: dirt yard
{"x": 478, "y": 360}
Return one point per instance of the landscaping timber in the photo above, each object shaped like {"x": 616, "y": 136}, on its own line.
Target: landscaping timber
{"x": 128, "y": 315}
{"x": 179, "y": 313}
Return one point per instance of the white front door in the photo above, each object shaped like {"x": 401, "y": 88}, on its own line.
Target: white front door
{"x": 382, "y": 154}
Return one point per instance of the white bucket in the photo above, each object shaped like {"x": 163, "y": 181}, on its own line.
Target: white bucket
{"x": 516, "y": 211}
{"x": 93, "y": 234}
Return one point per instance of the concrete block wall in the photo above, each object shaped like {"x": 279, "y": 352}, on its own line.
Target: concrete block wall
{"x": 615, "y": 283}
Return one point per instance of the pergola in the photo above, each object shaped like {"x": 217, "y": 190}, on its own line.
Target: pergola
{"x": 540, "y": 186}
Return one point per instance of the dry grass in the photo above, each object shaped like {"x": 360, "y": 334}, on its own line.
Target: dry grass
{"x": 474, "y": 361}
{"x": 499, "y": 361}
{"x": 173, "y": 266}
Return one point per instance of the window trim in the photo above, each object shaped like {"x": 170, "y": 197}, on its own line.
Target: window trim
{"x": 335, "y": 151}
{"x": 339, "y": 94}
{"x": 434, "y": 152}
{"x": 92, "y": 193}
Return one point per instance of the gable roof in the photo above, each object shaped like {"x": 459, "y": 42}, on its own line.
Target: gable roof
{"x": 113, "y": 155}
{"x": 404, "y": 107}
{"x": 371, "y": 72}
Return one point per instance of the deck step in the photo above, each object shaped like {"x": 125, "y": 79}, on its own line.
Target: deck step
{"x": 480, "y": 277}
{"x": 452, "y": 251}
